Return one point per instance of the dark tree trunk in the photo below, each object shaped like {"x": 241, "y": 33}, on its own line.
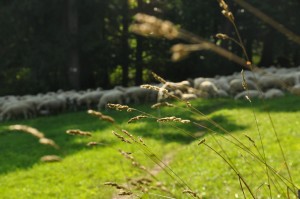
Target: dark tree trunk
{"x": 73, "y": 52}
{"x": 248, "y": 47}
{"x": 139, "y": 53}
{"x": 124, "y": 42}
{"x": 267, "y": 52}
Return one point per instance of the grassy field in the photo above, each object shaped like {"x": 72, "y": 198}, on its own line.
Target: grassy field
{"x": 83, "y": 170}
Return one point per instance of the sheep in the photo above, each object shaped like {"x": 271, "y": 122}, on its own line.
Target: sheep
{"x": 209, "y": 87}
{"x": 290, "y": 79}
{"x": 89, "y": 99}
{"x": 52, "y": 105}
{"x": 111, "y": 96}
{"x": 267, "y": 82}
{"x": 273, "y": 93}
{"x": 236, "y": 86}
{"x": 222, "y": 83}
{"x": 16, "y": 110}
{"x": 295, "y": 90}
{"x": 250, "y": 93}
{"x": 137, "y": 95}
{"x": 199, "y": 80}
{"x": 222, "y": 93}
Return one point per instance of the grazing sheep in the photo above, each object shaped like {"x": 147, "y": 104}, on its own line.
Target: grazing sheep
{"x": 111, "y": 96}
{"x": 222, "y": 93}
{"x": 222, "y": 83}
{"x": 198, "y": 81}
{"x": 267, "y": 82}
{"x": 209, "y": 87}
{"x": 52, "y": 105}
{"x": 137, "y": 95}
{"x": 250, "y": 93}
{"x": 296, "y": 89}
{"x": 273, "y": 93}
{"x": 17, "y": 110}
{"x": 89, "y": 99}
{"x": 236, "y": 86}
{"x": 290, "y": 79}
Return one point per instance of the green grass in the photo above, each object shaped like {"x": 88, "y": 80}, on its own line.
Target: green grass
{"x": 83, "y": 170}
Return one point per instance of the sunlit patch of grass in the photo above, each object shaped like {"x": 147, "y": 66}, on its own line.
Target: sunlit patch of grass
{"x": 84, "y": 169}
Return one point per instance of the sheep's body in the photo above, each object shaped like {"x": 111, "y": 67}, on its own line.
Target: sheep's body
{"x": 111, "y": 96}
{"x": 250, "y": 93}
{"x": 17, "y": 110}
{"x": 273, "y": 93}
{"x": 89, "y": 99}
{"x": 209, "y": 87}
{"x": 222, "y": 83}
{"x": 268, "y": 82}
{"x": 138, "y": 95}
{"x": 296, "y": 89}
{"x": 236, "y": 86}
{"x": 52, "y": 106}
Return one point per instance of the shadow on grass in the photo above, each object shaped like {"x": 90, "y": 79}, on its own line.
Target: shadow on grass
{"x": 22, "y": 151}
{"x": 185, "y": 133}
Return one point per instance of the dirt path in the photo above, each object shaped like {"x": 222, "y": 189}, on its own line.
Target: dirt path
{"x": 167, "y": 159}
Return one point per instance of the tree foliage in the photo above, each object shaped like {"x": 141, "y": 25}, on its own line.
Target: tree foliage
{"x": 36, "y": 44}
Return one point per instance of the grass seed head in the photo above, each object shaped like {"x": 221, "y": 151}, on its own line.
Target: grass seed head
{"x": 179, "y": 52}
{"x": 126, "y": 155}
{"x": 92, "y": 144}
{"x": 119, "y": 107}
{"x": 158, "y": 78}
{"x": 78, "y": 132}
{"x": 127, "y": 133}
{"x": 173, "y": 119}
{"x": 47, "y": 141}
{"x": 151, "y": 26}
{"x": 222, "y": 36}
{"x": 50, "y": 158}
{"x": 94, "y": 113}
{"x": 27, "y": 129}
{"x": 107, "y": 119}
{"x": 139, "y": 117}
{"x": 190, "y": 192}
{"x": 158, "y": 105}
{"x": 125, "y": 193}
{"x": 121, "y": 137}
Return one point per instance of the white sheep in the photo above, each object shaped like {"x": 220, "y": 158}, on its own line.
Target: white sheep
{"x": 52, "y": 105}
{"x": 249, "y": 93}
{"x": 295, "y": 90}
{"x": 17, "y": 110}
{"x": 89, "y": 99}
{"x": 209, "y": 87}
{"x": 267, "y": 82}
{"x": 111, "y": 96}
{"x": 236, "y": 86}
{"x": 137, "y": 95}
{"x": 273, "y": 93}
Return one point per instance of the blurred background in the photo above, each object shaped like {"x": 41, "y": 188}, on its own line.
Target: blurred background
{"x": 78, "y": 44}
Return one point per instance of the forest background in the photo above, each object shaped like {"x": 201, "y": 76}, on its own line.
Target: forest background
{"x": 78, "y": 44}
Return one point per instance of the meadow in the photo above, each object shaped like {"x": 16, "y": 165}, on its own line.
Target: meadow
{"x": 84, "y": 170}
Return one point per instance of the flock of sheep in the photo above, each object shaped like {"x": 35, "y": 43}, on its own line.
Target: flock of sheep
{"x": 272, "y": 82}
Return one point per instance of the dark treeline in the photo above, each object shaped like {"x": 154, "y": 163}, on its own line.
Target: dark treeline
{"x": 78, "y": 44}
